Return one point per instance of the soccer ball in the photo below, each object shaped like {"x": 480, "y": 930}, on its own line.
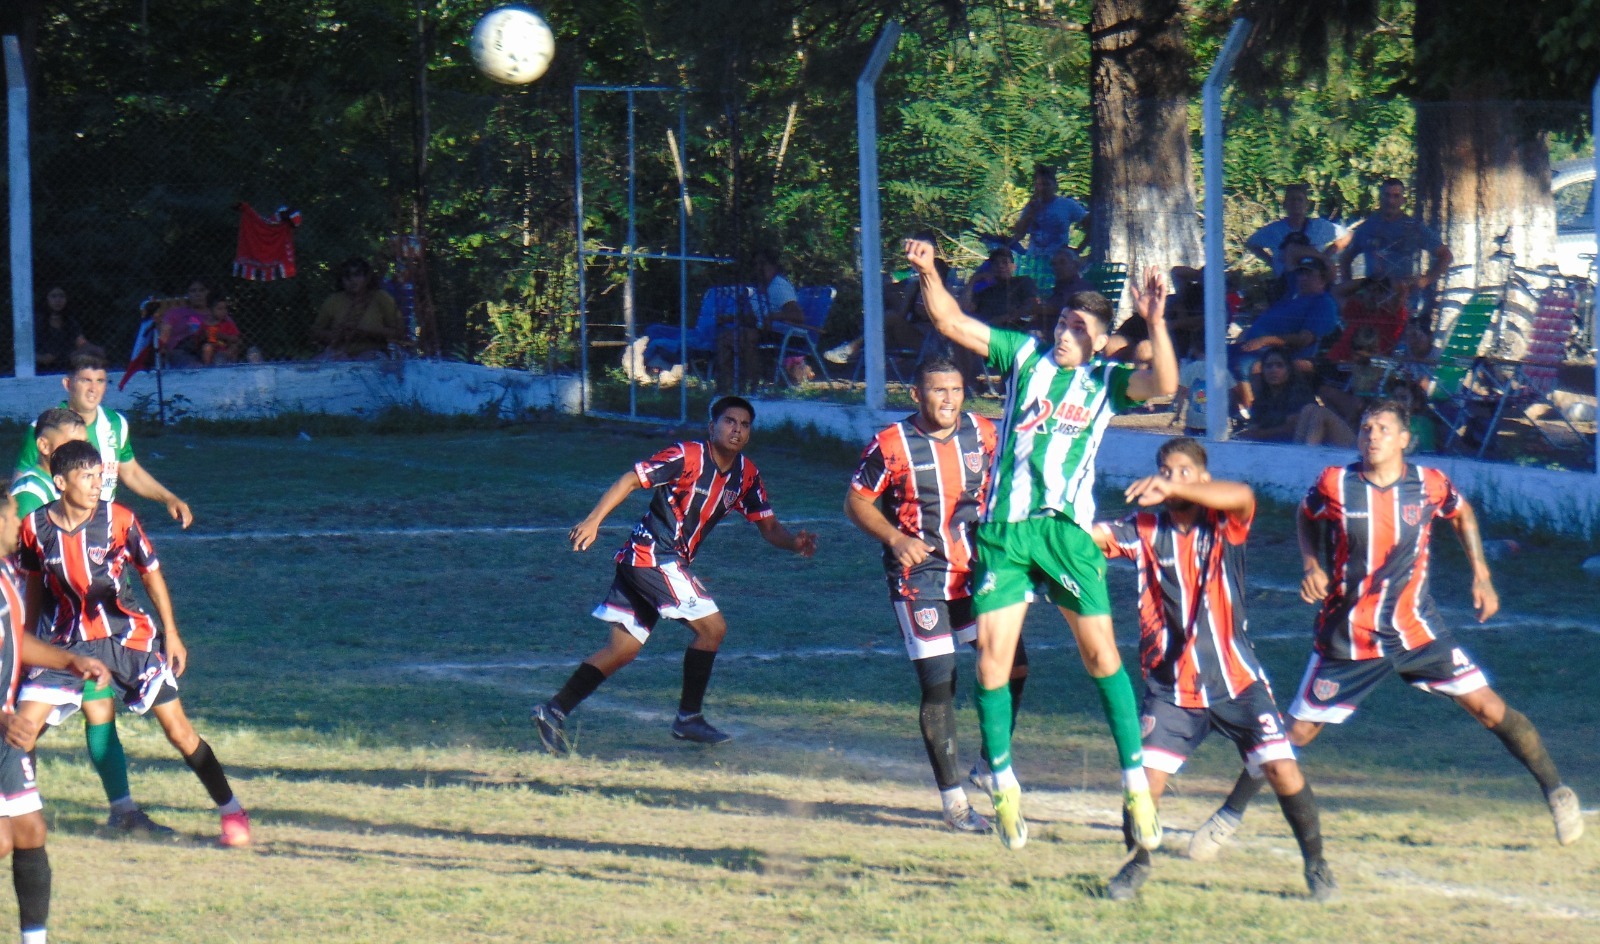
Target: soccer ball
{"x": 513, "y": 45}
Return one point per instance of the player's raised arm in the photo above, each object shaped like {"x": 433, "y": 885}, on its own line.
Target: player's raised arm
{"x": 1160, "y": 379}
{"x": 864, "y": 513}
{"x": 948, "y": 319}
{"x": 1217, "y": 494}
{"x": 583, "y": 533}
{"x": 803, "y": 543}
{"x": 1484, "y": 597}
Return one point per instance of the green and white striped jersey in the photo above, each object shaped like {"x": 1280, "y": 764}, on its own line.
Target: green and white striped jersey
{"x": 1051, "y": 429}
{"x": 33, "y": 489}
{"x": 108, "y": 432}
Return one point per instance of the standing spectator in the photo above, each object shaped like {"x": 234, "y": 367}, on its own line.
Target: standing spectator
{"x": 1284, "y": 244}
{"x": 56, "y": 335}
{"x": 1390, "y": 244}
{"x": 360, "y": 321}
{"x": 1048, "y": 218}
{"x": 181, "y": 323}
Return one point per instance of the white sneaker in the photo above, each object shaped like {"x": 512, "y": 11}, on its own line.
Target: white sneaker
{"x": 840, "y": 354}
{"x": 1207, "y": 842}
{"x": 965, "y": 819}
{"x": 1564, "y": 809}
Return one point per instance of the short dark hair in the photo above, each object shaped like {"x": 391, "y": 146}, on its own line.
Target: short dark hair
{"x": 74, "y": 455}
{"x": 56, "y": 417}
{"x": 1401, "y": 411}
{"x": 1301, "y": 189}
{"x": 1183, "y": 446}
{"x": 1044, "y": 170}
{"x": 89, "y": 360}
{"x": 1001, "y": 252}
{"x": 724, "y": 404}
{"x": 935, "y": 364}
{"x": 1092, "y": 303}
{"x": 1392, "y": 182}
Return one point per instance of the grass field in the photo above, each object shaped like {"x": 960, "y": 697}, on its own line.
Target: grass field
{"x": 370, "y": 616}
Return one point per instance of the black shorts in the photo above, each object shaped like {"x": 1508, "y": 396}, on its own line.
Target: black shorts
{"x": 640, "y": 596}
{"x": 1251, "y": 721}
{"x": 1333, "y": 688}
{"x": 19, "y": 790}
{"x": 933, "y": 627}
{"x": 142, "y": 679}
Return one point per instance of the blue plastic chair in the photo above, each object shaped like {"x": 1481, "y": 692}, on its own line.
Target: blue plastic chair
{"x": 701, "y": 341}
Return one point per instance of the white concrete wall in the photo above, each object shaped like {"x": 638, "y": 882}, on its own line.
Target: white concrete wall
{"x": 1564, "y": 502}
{"x": 253, "y": 391}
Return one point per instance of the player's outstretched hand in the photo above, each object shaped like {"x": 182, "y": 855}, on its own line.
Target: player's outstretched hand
{"x": 583, "y": 534}
{"x": 920, "y": 254}
{"x": 179, "y": 510}
{"x": 1484, "y": 598}
{"x": 1152, "y": 301}
{"x": 805, "y": 543}
{"x": 1314, "y": 585}
{"x": 86, "y": 668}
{"x": 20, "y": 732}
{"x": 1150, "y": 490}
{"x": 909, "y": 551}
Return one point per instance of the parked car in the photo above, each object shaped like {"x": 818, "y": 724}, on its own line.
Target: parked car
{"x": 1572, "y": 183}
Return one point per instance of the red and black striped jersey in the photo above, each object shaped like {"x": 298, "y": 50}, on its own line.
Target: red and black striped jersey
{"x": 1378, "y": 600}
{"x": 87, "y": 591}
{"x": 1192, "y": 625}
{"x": 10, "y": 633}
{"x": 936, "y": 489}
{"x": 691, "y": 496}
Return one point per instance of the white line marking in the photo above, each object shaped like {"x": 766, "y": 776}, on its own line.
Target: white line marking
{"x": 416, "y": 532}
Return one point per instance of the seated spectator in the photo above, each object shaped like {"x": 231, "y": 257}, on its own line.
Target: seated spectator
{"x": 738, "y": 335}
{"x": 905, "y": 319}
{"x": 1278, "y": 395}
{"x": 1347, "y": 388}
{"x": 218, "y": 340}
{"x": 1298, "y": 325}
{"x": 1425, "y": 424}
{"x": 1373, "y": 302}
{"x": 360, "y": 321}
{"x": 1285, "y": 243}
{"x": 1186, "y": 307}
{"x": 1067, "y": 266}
{"x": 1005, "y": 299}
{"x": 57, "y": 335}
{"x": 180, "y": 323}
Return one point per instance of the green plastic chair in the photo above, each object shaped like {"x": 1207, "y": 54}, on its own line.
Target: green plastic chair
{"x": 1460, "y": 352}
{"x": 1109, "y": 278}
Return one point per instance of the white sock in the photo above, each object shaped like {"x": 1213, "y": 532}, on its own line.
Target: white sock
{"x": 124, "y": 805}
{"x": 1006, "y": 779}
{"x": 954, "y": 798}
{"x": 33, "y": 937}
{"x": 1134, "y": 779}
{"x": 230, "y": 807}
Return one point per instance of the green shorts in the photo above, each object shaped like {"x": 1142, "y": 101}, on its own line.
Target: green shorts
{"x": 1014, "y": 557}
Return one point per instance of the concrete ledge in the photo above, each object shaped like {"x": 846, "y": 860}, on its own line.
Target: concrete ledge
{"x": 1562, "y": 502}
{"x": 257, "y": 391}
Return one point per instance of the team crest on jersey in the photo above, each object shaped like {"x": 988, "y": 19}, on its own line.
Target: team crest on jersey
{"x": 1412, "y": 514}
{"x": 98, "y": 555}
{"x": 1324, "y": 689}
{"x": 974, "y": 462}
{"x": 728, "y": 498}
{"x": 927, "y": 618}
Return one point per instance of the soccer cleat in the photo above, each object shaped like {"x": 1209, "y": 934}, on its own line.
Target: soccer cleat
{"x": 551, "y": 725}
{"x": 1012, "y": 828}
{"x": 1146, "y": 825}
{"x": 965, "y": 819}
{"x": 1565, "y": 811}
{"x": 1319, "y": 879}
{"x": 839, "y": 355}
{"x": 1215, "y": 833}
{"x": 236, "y": 829}
{"x": 136, "y": 822}
{"x": 980, "y": 777}
{"x": 1125, "y": 885}
{"x": 697, "y": 729}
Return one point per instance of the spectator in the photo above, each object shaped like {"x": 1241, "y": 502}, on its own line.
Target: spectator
{"x": 1048, "y": 218}
{"x": 360, "y": 321}
{"x": 905, "y": 318}
{"x": 1006, "y": 299}
{"x": 180, "y": 323}
{"x": 1391, "y": 242}
{"x": 1278, "y": 396}
{"x": 1284, "y": 244}
{"x": 1067, "y": 266}
{"x": 1425, "y": 425}
{"x": 1297, "y": 324}
{"x": 219, "y": 339}
{"x": 1192, "y": 401}
{"x": 57, "y": 335}
{"x": 739, "y": 334}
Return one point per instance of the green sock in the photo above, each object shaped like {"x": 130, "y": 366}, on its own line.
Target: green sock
{"x": 994, "y": 723}
{"x": 1122, "y": 710}
{"x": 105, "y": 751}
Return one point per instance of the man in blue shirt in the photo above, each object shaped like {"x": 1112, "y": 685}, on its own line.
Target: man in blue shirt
{"x": 1297, "y": 324}
{"x": 1048, "y": 218}
{"x": 1390, "y": 243}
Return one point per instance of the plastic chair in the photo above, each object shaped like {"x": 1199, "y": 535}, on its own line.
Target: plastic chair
{"x": 700, "y": 344}
{"x": 815, "y": 303}
{"x": 1109, "y": 279}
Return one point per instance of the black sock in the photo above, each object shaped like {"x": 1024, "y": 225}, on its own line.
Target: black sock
{"x": 937, "y": 676}
{"x": 1522, "y": 739}
{"x": 206, "y": 766}
{"x": 1244, "y": 790}
{"x": 696, "y": 676}
{"x": 30, "y": 874}
{"x": 1141, "y": 855}
{"x": 581, "y": 685}
{"x": 1300, "y": 810}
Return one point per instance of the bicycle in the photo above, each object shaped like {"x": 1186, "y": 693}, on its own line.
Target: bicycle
{"x": 1519, "y": 296}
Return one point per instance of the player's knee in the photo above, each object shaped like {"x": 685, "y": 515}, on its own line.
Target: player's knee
{"x": 27, "y": 832}
{"x": 937, "y": 677}
{"x": 710, "y": 631}
{"x": 1284, "y": 777}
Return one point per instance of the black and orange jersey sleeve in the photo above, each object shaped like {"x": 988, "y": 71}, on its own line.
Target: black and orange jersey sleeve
{"x": 1125, "y": 539}
{"x": 663, "y": 468}
{"x": 753, "y": 494}
{"x": 30, "y": 559}
{"x": 872, "y": 476}
{"x": 1324, "y": 501}
{"x": 1234, "y": 526}
{"x": 127, "y": 530}
{"x": 1441, "y": 493}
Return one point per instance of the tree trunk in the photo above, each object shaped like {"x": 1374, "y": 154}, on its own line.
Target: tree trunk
{"x": 1143, "y": 189}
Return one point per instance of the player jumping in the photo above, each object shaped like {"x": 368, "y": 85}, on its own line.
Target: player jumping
{"x": 1377, "y": 615}
{"x": 1200, "y": 670}
{"x": 695, "y": 485}
{"x": 1059, "y": 399}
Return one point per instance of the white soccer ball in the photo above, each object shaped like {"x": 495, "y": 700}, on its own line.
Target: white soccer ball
{"x": 513, "y": 45}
